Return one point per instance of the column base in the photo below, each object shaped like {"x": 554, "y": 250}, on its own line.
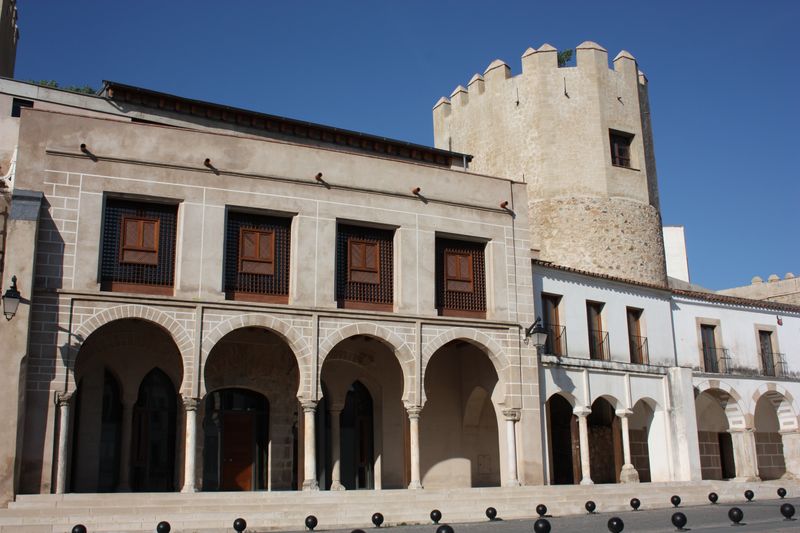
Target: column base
{"x": 587, "y": 481}
{"x": 188, "y": 489}
{"x": 628, "y": 474}
{"x": 512, "y": 483}
{"x": 415, "y": 485}
{"x": 746, "y": 479}
{"x": 337, "y": 486}
{"x": 310, "y": 484}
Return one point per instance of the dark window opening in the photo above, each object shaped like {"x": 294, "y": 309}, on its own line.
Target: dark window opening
{"x": 556, "y": 343}
{"x": 636, "y": 341}
{"x": 460, "y": 278}
{"x": 598, "y": 339}
{"x": 620, "y": 149}
{"x": 364, "y": 268}
{"x": 17, "y": 104}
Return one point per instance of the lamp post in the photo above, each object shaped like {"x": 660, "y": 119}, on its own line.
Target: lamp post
{"x": 11, "y": 299}
{"x": 537, "y": 332}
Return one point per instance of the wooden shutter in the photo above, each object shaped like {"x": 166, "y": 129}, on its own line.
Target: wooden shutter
{"x": 363, "y": 261}
{"x": 256, "y": 251}
{"x": 458, "y": 271}
{"x": 139, "y": 241}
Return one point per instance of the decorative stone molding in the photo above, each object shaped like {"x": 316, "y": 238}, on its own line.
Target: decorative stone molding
{"x": 189, "y": 403}
{"x": 512, "y": 414}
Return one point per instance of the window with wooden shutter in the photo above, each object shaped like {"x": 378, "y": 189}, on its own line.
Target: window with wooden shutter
{"x": 363, "y": 261}
{"x": 620, "y": 149}
{"x": 458, "y": 271}
{"x": 256, "y": 251}
{"x": 139, "y": 241}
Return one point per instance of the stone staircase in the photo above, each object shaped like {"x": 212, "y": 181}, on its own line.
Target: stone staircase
{"x": 215, "y": 512}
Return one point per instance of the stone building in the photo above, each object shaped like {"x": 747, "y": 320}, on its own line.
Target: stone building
{"x": 215, "y": 299}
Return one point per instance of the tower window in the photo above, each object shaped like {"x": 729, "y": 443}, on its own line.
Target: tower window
{"x": 620, "y": 148}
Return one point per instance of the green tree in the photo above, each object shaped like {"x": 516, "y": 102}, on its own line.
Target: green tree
{"x": 564, "y": 57}
{"x": 85, "y": 89}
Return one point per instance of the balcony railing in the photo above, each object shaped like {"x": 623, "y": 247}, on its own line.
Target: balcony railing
{"x": 556, "y": 343}
{"x": 639, "y": 352}
{"x": 598, "y": 345}
{"x": 716, "y": 360}
{"x": 773, "y": 364}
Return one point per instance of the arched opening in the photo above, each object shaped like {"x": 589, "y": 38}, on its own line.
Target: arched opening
{"x": 236, "y": 427}
{"x": 127, "y": 372}
{"x": 645, "y": 436}
{"x": 153, "y": 448}
{"x": 564, "y": 439}
{"x": 716, "y": 445}
{"x": 358, "y": 443}
{"x": 361, "y": 422}
{"x": 769, "y": 443}
{"x": 250, "y": 414}
{"x": 605, "y": 442}
{"x": 458, "y": 424}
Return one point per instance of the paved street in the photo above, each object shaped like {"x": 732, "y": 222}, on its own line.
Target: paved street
{"x": 759, "y": 516}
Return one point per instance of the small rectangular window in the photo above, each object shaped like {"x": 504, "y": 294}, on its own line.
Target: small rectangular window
{"x": 458, "y": 266}
{"x": 256, "y": 251}
{"x": 139, "y": 241}
{"x": 620, "y": 149}
{"x": 460, "y": 278}
{"x": 363, "y": 261}
{"x": 17, "y": 104}
{"x": 556, "y": 343}
{"x": 598, "y": 339}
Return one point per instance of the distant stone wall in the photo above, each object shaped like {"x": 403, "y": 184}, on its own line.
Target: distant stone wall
{"x": 607, "y": 236}
{"x": 640, "y": 453}
{"x": 775, "y": 289}
{"x": 769, "y": 453}
{"x": 710, "y": 460}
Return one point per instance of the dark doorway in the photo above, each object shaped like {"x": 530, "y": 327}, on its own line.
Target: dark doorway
{"x": 236, "y": 428}
{"x": 110, "y": 435}
{"x": 564, "y": 441}
{"x": 153, "y": 446}
{"x": 357, "y": 445}
{"x": 605, "y": 443}
{"x": 726, "y": 456}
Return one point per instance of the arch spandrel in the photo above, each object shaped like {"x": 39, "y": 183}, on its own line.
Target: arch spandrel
{"x": 730, "y": 401}
{"x": 784, "y": 403}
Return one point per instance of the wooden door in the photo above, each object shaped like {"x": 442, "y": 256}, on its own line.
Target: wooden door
{"x": 575, "y": 439}
{"x": 765, "y": 345}
{"x": 726, "y": 456}
{"x": 238, "y": 444}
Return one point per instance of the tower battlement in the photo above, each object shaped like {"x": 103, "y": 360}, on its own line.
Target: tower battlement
{"x": 580, "y": 137}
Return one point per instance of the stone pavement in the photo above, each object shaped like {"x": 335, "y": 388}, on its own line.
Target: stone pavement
{"x": 761, "y": 516}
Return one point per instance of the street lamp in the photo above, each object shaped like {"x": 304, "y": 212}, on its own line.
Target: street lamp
{"x": 538, "y": 332}
{"x": 11, "y": 299}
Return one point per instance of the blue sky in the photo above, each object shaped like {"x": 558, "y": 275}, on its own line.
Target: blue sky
{"x": 724, "y": 80}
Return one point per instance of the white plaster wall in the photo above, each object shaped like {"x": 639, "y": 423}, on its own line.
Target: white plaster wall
{"x": 675, "y": 252}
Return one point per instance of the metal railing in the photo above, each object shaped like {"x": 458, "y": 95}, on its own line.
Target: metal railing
{"x": 598, "y": 345}
{"x": 716, "y": 360}
{"x": 556, "y": 343}
{"x": 639, "y": 352}
{"x": 773, "y": 364}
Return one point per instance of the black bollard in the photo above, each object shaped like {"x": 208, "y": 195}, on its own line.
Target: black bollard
{"x": 787, "y": 510}
{"x": 679, "y": 521}
{"x": 491, "y": 513}
{"x": 590, "y": 507}
{"x": 444, "y": 528}
{"x": 736, "y": 515}
{"x": 541, "y": 526}
{"x": 163, "y": 527}
{"x": 80, "y": 528}
{"x": 749, "y": 495}
{"x": 357, "y": 531}
{"x": 615, "y": 524}
{"x": 635, "y": 503}
{"x": 782, "y": 493}
{"x": 377, "y": 519}
{"x": 436, "y": 515}
{"x": 676, "y": 500}
{"x": 239, "y": 525}
{"x": 311, "y": 522}
{"x": 712, "y": 497}
{"x": 541, "y": 510}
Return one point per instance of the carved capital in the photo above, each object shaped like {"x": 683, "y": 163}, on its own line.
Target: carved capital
{"x": 512, "y": 414}
{"x": 623, "y": 413}
{"x": 413, "y": 411}
{"x": 189, "y": 403}
{"x": 309, "y": 406}
{"x": 581, "y": 412}
{"x": 63, "y": 398}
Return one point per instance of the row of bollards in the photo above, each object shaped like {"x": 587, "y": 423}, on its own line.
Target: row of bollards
{"x": 542, "y": 525}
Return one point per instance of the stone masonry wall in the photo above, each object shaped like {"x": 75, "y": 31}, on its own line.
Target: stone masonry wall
{"x": 769, "y": 453}
{"x": 640, "y": 453}
{"x": 607, "y": 236}
{"x": 710, "y": 464}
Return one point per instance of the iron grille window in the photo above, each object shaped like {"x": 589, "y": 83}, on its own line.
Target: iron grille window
{"x": 460, "y": 278}
{"x": 138, "y": 248}
{"x": 620, "y": 149}
{"x": 364, "y": 268}
{"x": 257, "y": 257}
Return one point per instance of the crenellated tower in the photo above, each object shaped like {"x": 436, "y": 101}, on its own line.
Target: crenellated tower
{"x": 580, "y": 137}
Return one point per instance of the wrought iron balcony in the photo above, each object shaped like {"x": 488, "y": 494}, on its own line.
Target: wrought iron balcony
{"x": 639, "y": 352}
{"x": 556, "y": 343}
{"x": 598, "y": 345}
{"x": 716, "y": 360}
{"x": 773, "y": 364}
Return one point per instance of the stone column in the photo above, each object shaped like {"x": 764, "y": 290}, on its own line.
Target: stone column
{"x": 583, "y": 432}
{"x": 512, "y": 417}
{"x": 63, "y": 401}
{"x": 310, "y": 446}
{"x": 125, "y": 446}
{"x": 628, "y": 474}
{"x": 744, "y": 454}
{"x": 791, "y": 453}
{"x": 413, "y": 423}
{"x": 336, "y": 443}
{"x": 190, "y": 443}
